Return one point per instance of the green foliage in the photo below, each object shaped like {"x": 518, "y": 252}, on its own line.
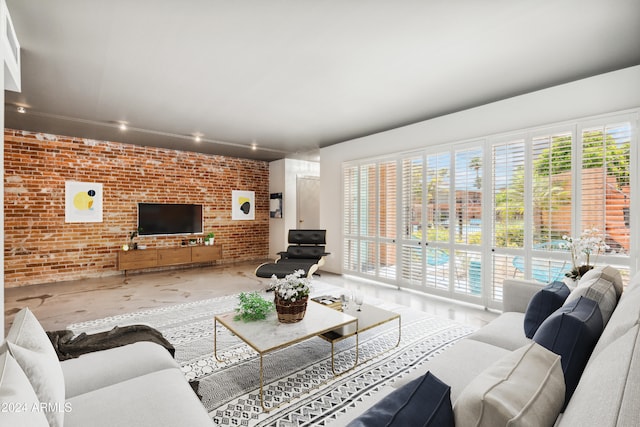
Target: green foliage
{"x": 597, "y": 151}
{"x": 253, "y": 307}
{"x": 509, "y": 235}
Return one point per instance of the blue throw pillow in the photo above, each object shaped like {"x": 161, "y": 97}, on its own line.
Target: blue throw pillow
{"x": 425, "y": 401}
{"x": 572, "y": 332}
{"x": 544, "y": 302}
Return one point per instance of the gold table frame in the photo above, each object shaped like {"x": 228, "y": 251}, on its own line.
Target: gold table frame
{"x": 268, "y": 335}
{"x": 369, "y": 317}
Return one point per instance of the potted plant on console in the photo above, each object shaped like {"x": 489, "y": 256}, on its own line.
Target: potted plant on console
{"x": 132, "y": 236}
{"x": 585, "y": 251}
{"x": 210, "y": 238}
{"x": 291, "y": 296}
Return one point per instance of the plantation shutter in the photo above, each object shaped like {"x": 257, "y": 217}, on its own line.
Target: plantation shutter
{"x": 605, "y": 184}
{"x": 412, "y": 191}
{"x": 551, "y": 180}
{"x": 508, "y": 207}
{"x": 387, "y": 219}
{"x": 350, "y": 217}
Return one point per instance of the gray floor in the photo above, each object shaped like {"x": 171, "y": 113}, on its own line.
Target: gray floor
{"x": 58, "y": 304}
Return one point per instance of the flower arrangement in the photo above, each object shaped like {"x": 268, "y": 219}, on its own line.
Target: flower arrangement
{"x": 583, "y": 251}
{"x": 252, "y": 307}
{"x": 293, "y": 287}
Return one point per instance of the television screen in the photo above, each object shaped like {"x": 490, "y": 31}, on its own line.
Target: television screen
{"x": 165, "y": 218}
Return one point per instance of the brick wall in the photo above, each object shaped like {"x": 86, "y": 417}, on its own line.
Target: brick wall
{"x": 40, "y": 247}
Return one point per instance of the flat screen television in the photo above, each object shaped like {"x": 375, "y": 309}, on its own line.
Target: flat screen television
{"x": 168, "y": 218}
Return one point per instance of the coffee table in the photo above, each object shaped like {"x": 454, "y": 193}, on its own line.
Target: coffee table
{"x": 266, "y": 336}
{"x": 369, "y": 317}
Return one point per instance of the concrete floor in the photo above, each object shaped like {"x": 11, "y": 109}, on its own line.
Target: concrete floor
{"x": 58, "y": 304}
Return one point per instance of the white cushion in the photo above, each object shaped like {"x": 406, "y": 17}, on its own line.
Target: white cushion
{"x": 99, "y": 369}
{"x": 505, "y": 331}
{"x": 523, "y": 388}
{"x": 625, "y": 316}
{"x": 466, "y": 368}
{"x": 20, "y": 405}
{"x": 30, "y": 346}
{"x": 599, "y": 290}
{"x": 609, "y": 389}
{"x": 608, "y": 273}
{"x": 159, "y": 399}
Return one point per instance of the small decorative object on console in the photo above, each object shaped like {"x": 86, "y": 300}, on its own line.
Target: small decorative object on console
{"x": 291, "y": 296}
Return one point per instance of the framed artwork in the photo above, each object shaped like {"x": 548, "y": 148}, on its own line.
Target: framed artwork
{"x": 242, "y": 205}
{"x": 275, "y": 205}
{"x": 83, "y": 202}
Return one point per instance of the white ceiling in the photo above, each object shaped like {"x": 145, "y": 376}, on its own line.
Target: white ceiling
{"x": 295, "y": 75}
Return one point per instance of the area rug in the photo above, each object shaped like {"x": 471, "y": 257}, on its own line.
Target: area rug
{"x": 230, "y": 388}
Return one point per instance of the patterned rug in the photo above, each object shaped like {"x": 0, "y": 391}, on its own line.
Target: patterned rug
{"x": 302, "y": 372}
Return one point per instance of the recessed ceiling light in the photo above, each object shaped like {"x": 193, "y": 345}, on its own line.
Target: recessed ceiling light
{"x": 123, "y": 126}
{"x": 21, "y": 110}
{"x": 197, "y": 137}
{"x": 254, "y": 146}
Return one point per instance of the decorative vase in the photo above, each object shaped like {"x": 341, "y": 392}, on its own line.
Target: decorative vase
{"x": 288, "y": 311}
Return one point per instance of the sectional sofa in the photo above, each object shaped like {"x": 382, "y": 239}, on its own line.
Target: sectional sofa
{"x": 580, "y": 365}
{"x": 135, "y": 385}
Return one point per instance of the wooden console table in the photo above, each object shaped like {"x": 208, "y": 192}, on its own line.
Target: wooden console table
{"x": 163, "y": 257}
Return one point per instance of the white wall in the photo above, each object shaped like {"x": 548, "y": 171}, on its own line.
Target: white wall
{"x": 282, "y": 179}
{"x": 615, "y": 91}
{"x": 10, "y": 76}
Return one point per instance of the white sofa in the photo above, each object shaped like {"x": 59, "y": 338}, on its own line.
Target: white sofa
{"x": 608, "y": 391}
{"x": 135, "y": 385}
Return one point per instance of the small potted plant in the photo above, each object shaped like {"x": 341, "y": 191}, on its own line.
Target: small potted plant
{"x": 585, "y": 251}
{"x": 252, "y": 307}
{"x": 132, "y": 236}
{"x": 210, "y": 238}
{"x": 291, "y": 296}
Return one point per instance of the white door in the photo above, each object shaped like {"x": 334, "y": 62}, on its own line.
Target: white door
{"x": 308, "y": 202}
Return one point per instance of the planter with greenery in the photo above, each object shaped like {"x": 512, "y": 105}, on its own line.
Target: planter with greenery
{"x": 252, "y": 307}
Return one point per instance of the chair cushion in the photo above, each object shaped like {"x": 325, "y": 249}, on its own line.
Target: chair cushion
{"x": 572, "y": 332}
{"x": 523, "y": 388}
{"x": 424, "y": 401}
{"x": 20, "y": 405}
{"x": 307, "y": 237}
{"x": 30, "y": 346}
{"x": 544, "y": 302}
{"x": 281, "y": 268}
{"x": 304, "y": 252}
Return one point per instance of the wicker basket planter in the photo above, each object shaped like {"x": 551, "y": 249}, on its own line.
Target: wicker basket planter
{"x": 290, "y": 312}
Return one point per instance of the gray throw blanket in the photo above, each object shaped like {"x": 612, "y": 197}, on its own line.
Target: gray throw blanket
{"x": 68, "y": 346}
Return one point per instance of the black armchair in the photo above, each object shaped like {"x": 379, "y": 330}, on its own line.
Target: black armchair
{"x": 305, "y": 252}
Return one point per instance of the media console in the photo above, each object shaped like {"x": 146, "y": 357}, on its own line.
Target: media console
{"x": 164, "y": 257}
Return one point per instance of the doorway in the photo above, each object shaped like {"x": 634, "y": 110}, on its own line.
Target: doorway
{"x": 308, "y": 202}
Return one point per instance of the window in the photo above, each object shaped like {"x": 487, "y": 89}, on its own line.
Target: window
{"x": 448, "y": 219}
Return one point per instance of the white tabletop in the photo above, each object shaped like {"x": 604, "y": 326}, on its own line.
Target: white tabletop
{"x": 269, "y": 334}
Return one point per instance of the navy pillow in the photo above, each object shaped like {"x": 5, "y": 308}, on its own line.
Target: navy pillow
{"x": 544, "y": 302}
{"x": 572, "y": 332}
{"x": 425, "y": 401}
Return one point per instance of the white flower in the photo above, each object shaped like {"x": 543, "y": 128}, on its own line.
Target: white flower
{"x": 590, "y": 243}
{"x": 292, "y": 287}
